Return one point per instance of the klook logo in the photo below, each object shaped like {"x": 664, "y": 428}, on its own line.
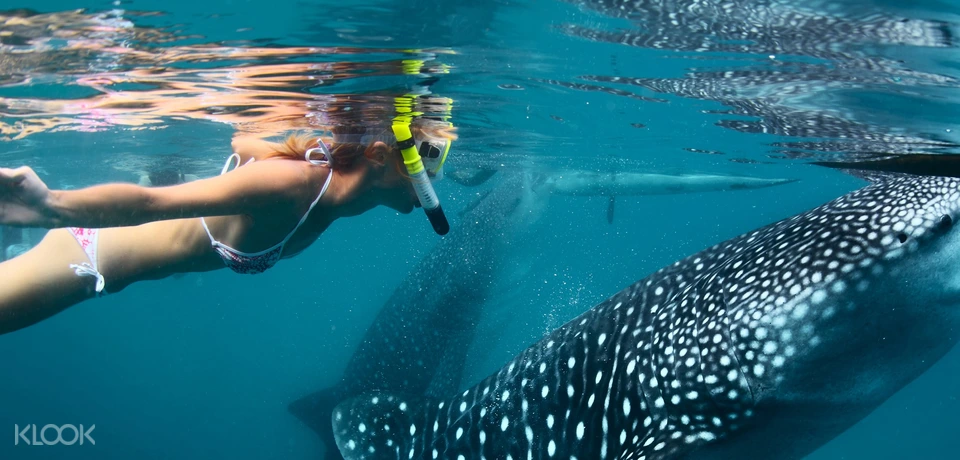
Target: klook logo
{"x": 51, "y": 435}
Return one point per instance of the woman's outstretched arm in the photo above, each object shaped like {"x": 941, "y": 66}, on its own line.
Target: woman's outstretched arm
{"x": 26, "y": 201}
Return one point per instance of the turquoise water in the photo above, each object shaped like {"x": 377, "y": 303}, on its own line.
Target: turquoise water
{"x": 203, "y": 366}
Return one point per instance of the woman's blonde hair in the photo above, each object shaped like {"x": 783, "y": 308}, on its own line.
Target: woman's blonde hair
{"x": 347, "y": 155}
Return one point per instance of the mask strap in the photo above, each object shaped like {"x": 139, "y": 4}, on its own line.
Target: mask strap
{"x": 327, "y": 157}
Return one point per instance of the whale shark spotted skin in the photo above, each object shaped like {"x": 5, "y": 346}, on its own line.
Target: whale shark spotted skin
{"x": 767, "y": 345}
{"x": 412, "y": 345}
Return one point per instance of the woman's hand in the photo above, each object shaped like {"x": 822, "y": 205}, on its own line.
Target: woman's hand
{"x": 23, "y": 198}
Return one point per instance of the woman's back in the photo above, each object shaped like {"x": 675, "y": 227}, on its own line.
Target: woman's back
{"x": 159, "y": 249}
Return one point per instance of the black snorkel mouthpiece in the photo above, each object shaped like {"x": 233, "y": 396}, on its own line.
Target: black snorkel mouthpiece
{"x": 438, "y": 219}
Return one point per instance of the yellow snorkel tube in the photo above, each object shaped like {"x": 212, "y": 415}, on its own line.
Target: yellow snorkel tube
{"x": 415, "y": 169}
{"x": 419, "y": 176}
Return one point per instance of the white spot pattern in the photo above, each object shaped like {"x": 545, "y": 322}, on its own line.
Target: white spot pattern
{"x": 679, "y": 364}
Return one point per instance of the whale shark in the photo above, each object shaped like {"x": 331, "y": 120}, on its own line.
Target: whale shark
{"x": 418, "y": 342}
{"x": 767, "y": 345}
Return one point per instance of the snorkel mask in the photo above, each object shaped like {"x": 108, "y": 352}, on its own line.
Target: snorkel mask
{"x": 424, "y": 162}
{"x": 433, "y": 153}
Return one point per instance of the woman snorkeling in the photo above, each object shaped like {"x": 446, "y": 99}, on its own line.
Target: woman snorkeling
{"x": 273, "y": 204}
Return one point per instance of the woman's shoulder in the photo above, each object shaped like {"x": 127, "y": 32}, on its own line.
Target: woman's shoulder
{"x": 255, "y": 150}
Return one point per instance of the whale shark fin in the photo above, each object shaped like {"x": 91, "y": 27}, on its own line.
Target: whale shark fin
{"x": 610, "y": 208}
{"x": 314, "y": 411}
{"x": 380, "y": 425}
